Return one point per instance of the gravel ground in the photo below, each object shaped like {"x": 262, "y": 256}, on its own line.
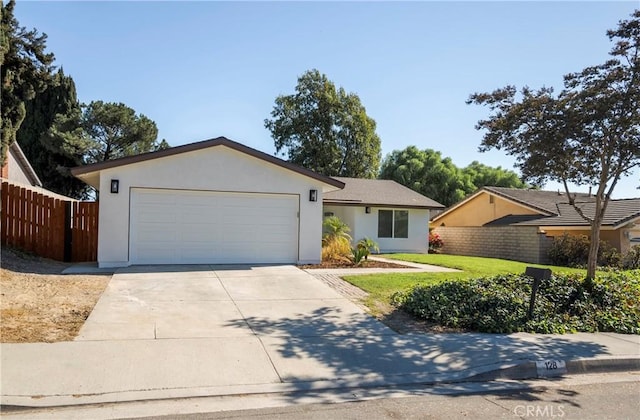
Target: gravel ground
{"x": 38, "y": 304}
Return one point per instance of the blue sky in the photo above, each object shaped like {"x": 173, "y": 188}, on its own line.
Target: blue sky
{"x": 207, "y": 69}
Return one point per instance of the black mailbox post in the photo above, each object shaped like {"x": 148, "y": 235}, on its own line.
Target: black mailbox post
{"x": 538, "y": 274}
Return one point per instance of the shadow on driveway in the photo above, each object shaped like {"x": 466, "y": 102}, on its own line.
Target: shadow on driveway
{"x": 308, "y": 347}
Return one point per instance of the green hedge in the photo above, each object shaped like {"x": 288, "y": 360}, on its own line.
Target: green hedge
{"x": 500, "y": 304}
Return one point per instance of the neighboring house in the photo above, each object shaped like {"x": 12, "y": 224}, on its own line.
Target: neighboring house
{"x": 394, "y": 216}
{"x": 215, "y": 201}
{"x": 17, "y": 168}
{"x": 505, "y": 219}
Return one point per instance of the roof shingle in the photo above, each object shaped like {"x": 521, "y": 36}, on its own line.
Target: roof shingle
{"x": 378, "y": 192}
{"x": 618, "y": 213}
{"x": 546, "y": 201}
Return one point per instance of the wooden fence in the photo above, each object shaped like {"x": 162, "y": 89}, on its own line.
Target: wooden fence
{"x": 51, "y": 227}
{"x": 84, "y": 231}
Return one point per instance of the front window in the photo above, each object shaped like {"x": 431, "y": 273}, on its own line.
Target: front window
{"x": 393, "y": 224}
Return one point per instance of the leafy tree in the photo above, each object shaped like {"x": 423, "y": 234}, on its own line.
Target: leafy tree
{"x": 25, "y": 69}
{"x": 325, "y": 130}
{"x": 428, "y": 173}
{"x": 113, "y": 130}
{"x": 588, "y": 134}
{"x": 482, "y": 175}
{"x": 102, "y": 131}
{"x": 49, "y": 159}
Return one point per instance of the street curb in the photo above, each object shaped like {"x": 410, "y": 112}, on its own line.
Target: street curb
{"x": 519, "y": 371}
{"x": 530, "y": 370}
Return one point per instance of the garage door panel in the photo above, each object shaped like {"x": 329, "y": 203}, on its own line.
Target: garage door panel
{"x": 157, "y": 215}
{"x": 197, "y": 252}
{"x": 155, "y": 254}
{"x": 192, "y": 215}
{"x": 151, "y": 236}
{"x": 195, "y": 227}
{"x": 152, "y": 197}
{"x": 193, "y": 234}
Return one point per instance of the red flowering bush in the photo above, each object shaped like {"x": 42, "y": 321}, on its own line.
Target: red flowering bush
{"x": 435, "y": 242}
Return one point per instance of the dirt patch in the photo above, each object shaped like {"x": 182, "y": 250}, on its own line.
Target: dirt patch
{"x": 349, "y": 264}
{"x": 38, "y": 304}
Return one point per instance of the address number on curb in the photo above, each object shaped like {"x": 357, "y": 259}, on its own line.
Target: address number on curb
{"x": 551, "y": 368}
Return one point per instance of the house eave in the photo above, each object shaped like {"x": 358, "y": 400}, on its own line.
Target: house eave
{"x": 378, "y": 205}
{"x": 88, "y": 172}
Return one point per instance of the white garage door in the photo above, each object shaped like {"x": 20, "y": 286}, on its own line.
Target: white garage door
{"x": 200, "y": 227}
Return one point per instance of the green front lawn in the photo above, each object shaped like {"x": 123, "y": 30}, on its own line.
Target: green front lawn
{"x": 382, "y": 286}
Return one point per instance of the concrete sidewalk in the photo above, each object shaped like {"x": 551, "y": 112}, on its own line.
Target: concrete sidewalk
{"x": 84, "y": 372}
{"x": 410, "y": 267}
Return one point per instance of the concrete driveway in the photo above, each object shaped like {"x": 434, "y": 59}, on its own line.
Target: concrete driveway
{"x": 168, "y": 302}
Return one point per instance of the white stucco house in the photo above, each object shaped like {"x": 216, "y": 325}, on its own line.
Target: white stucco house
{"x": 394, "y": 216}
{"x": 218, "y": 201}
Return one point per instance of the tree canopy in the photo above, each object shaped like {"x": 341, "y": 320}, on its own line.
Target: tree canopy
{"x": 25, "y": 69}
{"x": 113, "y": 130}
{"x": 325, "y": 129}
{"x": 40, "y": 109}
{"x": 48, "y": 159}
{"x": 437, "y": 177}
{"x": 588, "y": 134}
{"x": 428, "y": 173}
{"x": 482, "y": 175}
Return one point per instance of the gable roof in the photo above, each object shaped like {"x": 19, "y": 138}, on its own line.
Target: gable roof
{"x": 26, "y": 167}
{"x": 219, "y": 141}
{"x": 619, "y": 213}
{"x": 546, "y": 201}
{"x": 378, "y": 192}
{"x": 542, "y": 202}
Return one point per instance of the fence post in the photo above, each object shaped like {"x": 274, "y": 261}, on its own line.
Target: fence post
{"x": 68, "y": 233}
{"x": 4, "y": 213}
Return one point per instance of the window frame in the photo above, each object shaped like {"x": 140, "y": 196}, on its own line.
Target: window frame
{"x": 394, "y": 220}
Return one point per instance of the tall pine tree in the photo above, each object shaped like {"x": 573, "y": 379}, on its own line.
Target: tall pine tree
{"x": 47, "y": 152}
{"x": 25, "y": 69}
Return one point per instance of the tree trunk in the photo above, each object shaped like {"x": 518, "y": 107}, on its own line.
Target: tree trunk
{"x": 592, "y": 262}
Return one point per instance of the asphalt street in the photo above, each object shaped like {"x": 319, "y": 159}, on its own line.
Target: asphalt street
{"x": 619, "y": 400}
{"x": 584, "y": 396}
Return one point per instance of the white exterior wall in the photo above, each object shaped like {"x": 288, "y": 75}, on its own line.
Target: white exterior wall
{"x": 346, "y": 214}
{"x": 215, "y": 169}
{"x": 16, "y": 173}
{"x": 363, "y": 224}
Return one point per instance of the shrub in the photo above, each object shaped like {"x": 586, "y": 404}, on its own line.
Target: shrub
{"x": 435, "y": 242}
{"x": 336, "y": 241}
{"x": 337, "y": 249}
{"x": 608, "y": 256}
{"x": 358, "y": 254}
{"x": 631, "y": 259}
{"x": 367, "y": 246}
{"x": 333, "y": 227}
{"x": 499, "y": 304}
{"x": 573, "y": 251}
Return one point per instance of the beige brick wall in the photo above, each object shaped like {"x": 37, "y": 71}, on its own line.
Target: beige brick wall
{"x": 518, "y": 243}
